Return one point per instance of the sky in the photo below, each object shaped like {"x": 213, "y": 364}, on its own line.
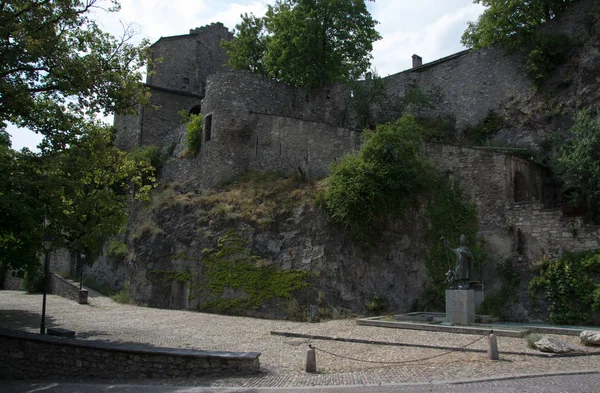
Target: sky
{"x": 429, "y": 28}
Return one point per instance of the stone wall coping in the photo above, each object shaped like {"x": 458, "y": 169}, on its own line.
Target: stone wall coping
{"x": 131, "y": 348}
{"x": 66, "y": 280}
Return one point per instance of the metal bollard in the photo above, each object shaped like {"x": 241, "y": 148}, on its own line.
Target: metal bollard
{"x": 493, "y": 347}
{"x": 311, "y": 361}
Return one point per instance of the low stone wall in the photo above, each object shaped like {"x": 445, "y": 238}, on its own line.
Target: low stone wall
{"x": 32, "y": 356}
{"x": 67, "y": 289}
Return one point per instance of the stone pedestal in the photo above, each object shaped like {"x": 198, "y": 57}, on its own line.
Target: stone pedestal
{"x": 460, "y": 306}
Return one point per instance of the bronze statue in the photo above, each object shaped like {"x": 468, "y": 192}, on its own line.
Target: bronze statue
{"x": 460, "y": 276}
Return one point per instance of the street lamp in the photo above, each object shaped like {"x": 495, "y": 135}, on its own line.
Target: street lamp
{"x": 47, "y": 242}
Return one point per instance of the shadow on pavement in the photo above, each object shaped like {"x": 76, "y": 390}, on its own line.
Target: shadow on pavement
{"x": 21, "y": 319}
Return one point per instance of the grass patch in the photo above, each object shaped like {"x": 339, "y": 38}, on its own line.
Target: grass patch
{"x": 123, "y": 295}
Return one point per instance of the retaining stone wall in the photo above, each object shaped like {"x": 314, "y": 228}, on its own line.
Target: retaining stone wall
{"x": 67, "y": 289}
{"x": 553, "y": 232}
{"x": 31, "y": 356}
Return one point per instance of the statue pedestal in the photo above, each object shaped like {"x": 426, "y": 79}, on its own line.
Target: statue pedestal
{"x": 460, "y": 306}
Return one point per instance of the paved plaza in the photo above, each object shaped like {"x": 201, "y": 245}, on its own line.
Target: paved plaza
{"x": 283, "y": 359}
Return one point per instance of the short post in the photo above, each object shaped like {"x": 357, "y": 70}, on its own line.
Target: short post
{"x": 493, "y": 347}
{"x": 311, "y": 361}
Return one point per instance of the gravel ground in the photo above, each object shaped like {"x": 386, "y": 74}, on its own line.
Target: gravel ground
{"x": 283, "y": 358}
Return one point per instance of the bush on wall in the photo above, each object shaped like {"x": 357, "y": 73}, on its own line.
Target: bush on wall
{"x": 570, "y": 286}
{"x": 378, "y": 182}
{"x": 193, "y": 134}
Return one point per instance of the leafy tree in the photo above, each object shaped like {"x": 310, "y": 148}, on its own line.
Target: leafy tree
{"x": 247, "y": 49}
{"x": 306, "y": 42}
{"x": 21, "y": 214}
{"x": 513, "y": 24}
{"x": 579, "y": 159}
{"x": 92, "y": 184}
{"x": 57, "y": 68}
{"x": 83, "y": 191}
{"x": 510, "y": 22}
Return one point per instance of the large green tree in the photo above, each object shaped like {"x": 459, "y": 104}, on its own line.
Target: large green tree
{"x": 83, "y": 191}
{"x": 306, "y": 42}
{"x": 510, "y": 21}
{"x": 58, "y": 68}
{"x": 58, "y": 71}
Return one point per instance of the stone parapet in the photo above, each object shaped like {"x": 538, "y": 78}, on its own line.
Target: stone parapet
{"x": 32, "y": 356}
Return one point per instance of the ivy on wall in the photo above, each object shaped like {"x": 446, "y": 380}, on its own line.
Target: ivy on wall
{"x": 232, "y": 265}
{"x": 451, "y": 214}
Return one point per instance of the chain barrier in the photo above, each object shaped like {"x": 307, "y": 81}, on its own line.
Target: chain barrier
{"x": 400, "y": 362}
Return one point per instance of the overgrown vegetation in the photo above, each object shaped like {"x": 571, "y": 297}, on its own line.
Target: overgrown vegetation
{"x": 480, "y": 133}
{"x": 366, "y": 95}
{"x": 123, "y": 295}
{"x": 193, "y": 134}
{"x": 151, "y": 155}
{"x": 378, "y": 183}
{"x": 117, "y": 248}
{"x": 514, "y": 24}
{"x": 578, "y": 162}
{"x": 569, "y": 286}
{"x": 257, "y": 198}
{"x": 493, "y": 304}
{"x": 451, "y": 214}
{"x": 232, "y": 265}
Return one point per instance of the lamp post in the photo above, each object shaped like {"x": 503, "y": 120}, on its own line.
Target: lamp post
{"x": 47, "y": 242}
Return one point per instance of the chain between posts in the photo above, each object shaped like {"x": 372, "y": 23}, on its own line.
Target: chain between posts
{"x": 400, "y": 362}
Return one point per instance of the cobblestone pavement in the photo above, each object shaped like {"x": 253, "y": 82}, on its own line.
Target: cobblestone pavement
{"x": 282, "y": 359}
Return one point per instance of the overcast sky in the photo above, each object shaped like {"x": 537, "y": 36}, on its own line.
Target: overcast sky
{"x": 429, "y": 28}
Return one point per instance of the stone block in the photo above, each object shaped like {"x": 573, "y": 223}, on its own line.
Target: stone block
{"x": 460, "y": 306}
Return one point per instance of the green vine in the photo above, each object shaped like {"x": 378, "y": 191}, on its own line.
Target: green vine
{"x": 494, "y": 303}
{"x": 451, "y": 214}
{"x": 231, "y": 265}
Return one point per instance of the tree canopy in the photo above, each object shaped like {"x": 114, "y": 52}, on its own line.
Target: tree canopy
{"x": 58, "y": 68}
{"x": 83, "y": 191}
{"x": 503, "y": 20}
{"x": 306, "y": 42}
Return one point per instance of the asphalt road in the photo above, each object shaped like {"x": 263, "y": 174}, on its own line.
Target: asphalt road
{"x": 571, "y": 383}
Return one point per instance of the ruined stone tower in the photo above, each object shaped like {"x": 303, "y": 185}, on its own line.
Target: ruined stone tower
{"x": 177, "y": 81}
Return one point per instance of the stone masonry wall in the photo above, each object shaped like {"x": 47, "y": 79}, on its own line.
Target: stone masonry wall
{"x": 551, "y": 231}
{"x": 276, "y": 140}
{"x": 31, "y": 356}
{"x": 487, "y": 177}
{"x": 67, "y": 289}
{"x": 175, "y": 58}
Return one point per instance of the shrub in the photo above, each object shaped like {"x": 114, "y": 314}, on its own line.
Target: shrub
{"x": 569, "y": 286}
{"x": 123, "y": 295}
{"x": 480, "y": 133}
{"x": 549, "y": 51}
{"x": 33, "y": 280}
{"x": 117, "y": 249}
{"x": 193, "y": 135}
{"x": 379, "y": 182}
{"x": 149, "y": 154}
